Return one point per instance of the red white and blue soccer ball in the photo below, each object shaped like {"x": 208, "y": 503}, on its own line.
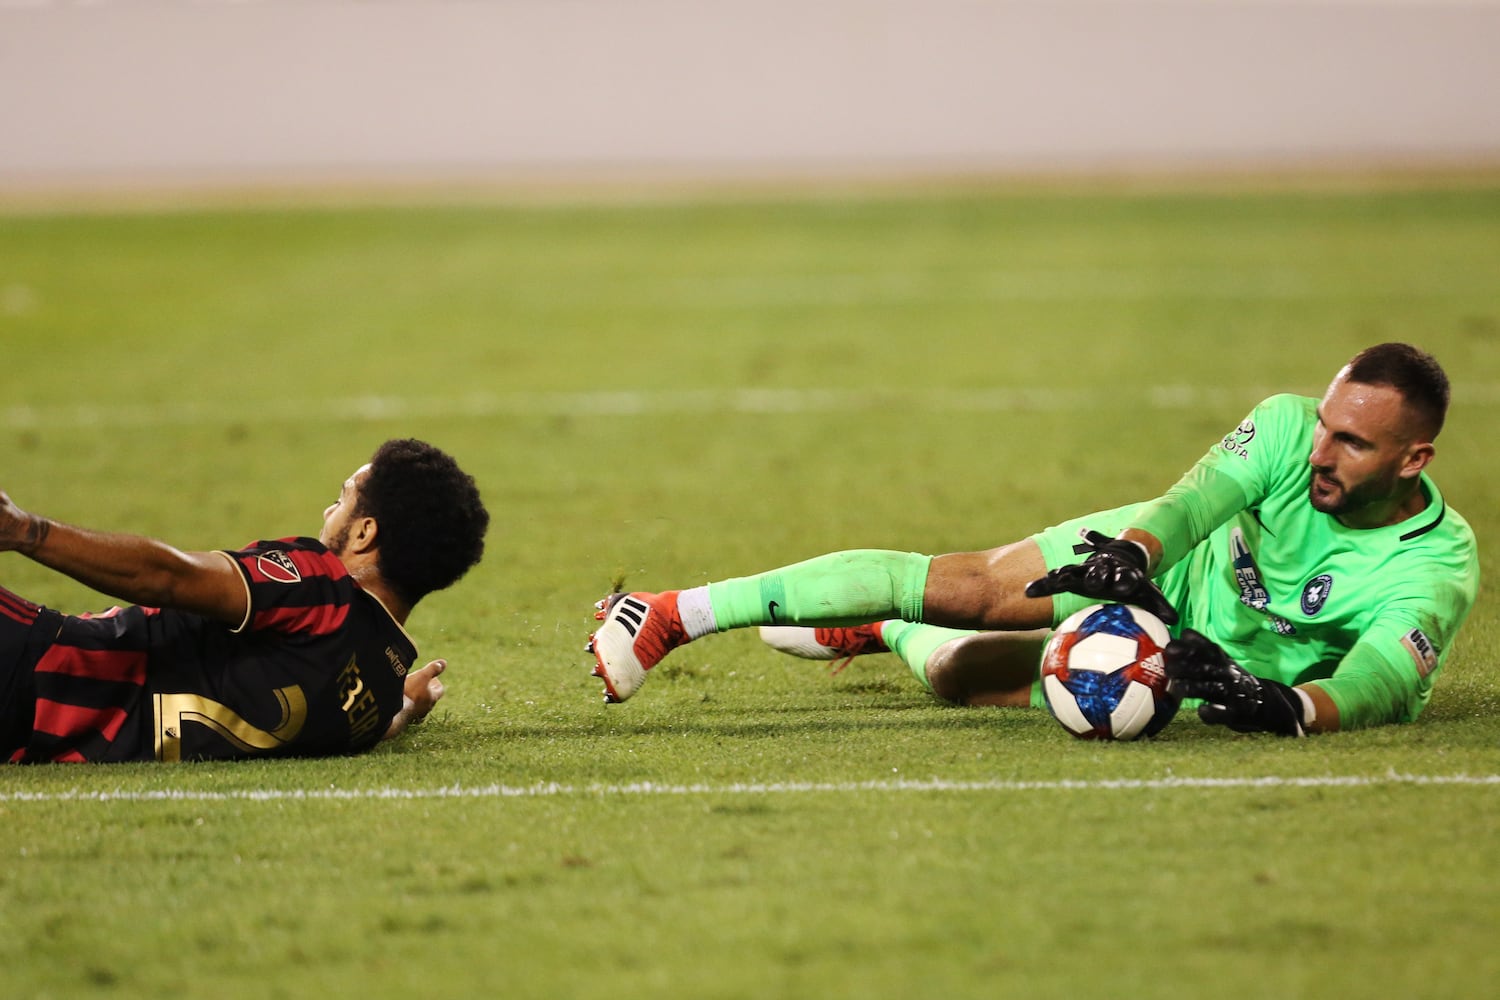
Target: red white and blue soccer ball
{"x": 1103, "y": 676}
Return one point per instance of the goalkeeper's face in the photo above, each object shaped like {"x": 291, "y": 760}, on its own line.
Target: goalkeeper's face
{"x": 1366, "y": 458}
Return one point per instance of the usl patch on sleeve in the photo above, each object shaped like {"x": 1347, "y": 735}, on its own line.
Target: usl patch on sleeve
{"x": 1422, "y": 651}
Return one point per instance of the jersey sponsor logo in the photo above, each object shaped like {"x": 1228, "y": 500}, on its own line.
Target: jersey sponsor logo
{"x": 277, "y": 566}
{"x": 1253, "y": 593}
{"x": 1422, "y": 651}
{"x": 1237, "y": 441}
{"x": 395, "y": 660}
{"x": 1315, "y": 594}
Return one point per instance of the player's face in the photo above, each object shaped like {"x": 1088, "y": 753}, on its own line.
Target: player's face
{"x": 336, "y": 518}
{"x": 1362, "y": 457}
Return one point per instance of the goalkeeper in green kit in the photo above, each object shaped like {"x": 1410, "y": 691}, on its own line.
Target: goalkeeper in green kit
{"x": 1313, "y": 576}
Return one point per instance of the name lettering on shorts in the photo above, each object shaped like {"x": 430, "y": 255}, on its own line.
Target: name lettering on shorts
{"x": 357, "y": 701}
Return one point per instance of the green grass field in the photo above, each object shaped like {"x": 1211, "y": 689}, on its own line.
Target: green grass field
{"x": 676, "y": 391}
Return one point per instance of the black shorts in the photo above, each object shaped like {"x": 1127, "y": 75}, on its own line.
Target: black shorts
{"x": 26, "y": 632}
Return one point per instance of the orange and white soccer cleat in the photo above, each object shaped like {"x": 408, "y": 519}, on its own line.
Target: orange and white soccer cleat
{"x": 825, "y": 643}
{"x": 639, "y": 629}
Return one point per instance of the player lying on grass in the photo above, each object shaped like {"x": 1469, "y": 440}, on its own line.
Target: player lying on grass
{"x": 1320, "y": 575}
{"x": 288, "y": 648}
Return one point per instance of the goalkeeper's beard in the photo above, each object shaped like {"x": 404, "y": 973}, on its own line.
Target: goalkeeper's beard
{"x": 1333, "y": 497}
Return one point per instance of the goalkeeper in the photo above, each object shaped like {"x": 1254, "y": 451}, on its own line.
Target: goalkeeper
{"x": 1319, "y": 575}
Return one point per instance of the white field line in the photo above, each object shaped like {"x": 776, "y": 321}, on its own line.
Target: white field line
{"x": 653, "y": 789}
{"x": 87, "y": 5}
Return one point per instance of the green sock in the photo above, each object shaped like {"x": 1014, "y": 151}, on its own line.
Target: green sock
{"x": 841, "y": 588}
{"x": 915, "y": 643}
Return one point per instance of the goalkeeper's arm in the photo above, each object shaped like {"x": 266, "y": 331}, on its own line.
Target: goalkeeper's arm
{"x": 1167, "y": 528}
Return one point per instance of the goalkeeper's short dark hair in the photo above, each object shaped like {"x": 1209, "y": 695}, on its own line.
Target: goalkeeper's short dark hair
{"x": 1410, "y": 371}
{"x": 430, "y": 517}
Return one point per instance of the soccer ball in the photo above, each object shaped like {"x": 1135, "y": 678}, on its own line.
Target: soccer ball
{"x": 1102, "y": 673}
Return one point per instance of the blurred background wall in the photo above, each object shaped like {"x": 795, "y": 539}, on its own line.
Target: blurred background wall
{"x": 118, "y": 92}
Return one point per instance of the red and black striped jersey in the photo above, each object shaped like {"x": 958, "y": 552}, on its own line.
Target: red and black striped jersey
{"x": 317, "y": 668}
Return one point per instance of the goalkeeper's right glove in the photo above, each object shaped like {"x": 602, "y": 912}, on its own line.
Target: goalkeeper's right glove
{"x": 1115, "y": 571}
{"x": 1232, "y": 696}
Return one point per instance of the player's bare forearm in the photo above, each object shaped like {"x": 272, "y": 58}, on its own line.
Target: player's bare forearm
{"x": 1325, "y": 713}
{"x": 19, "y": 531}
{"x": 130, "y": 568}
{"x": 1147, "y": 541}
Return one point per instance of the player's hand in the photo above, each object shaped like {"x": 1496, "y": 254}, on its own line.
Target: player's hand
{"x": 420, "y": 693}
{"x": 1114, "y": 571}
{"x": 1232, "y": 696}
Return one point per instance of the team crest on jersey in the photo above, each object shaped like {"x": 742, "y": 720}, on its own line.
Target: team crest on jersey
{"x": 1237, "y": 441}
{"x": 1422, "y": 651}
{"x": 278, "y": 567}
{"x": 1315, "y": 594}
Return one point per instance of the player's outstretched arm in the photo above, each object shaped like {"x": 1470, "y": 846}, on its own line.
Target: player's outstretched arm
{"x": 1232, "y": 696}
{"x": 1116, "y": 571}
{"x": 131, "y": 568}
{"x": 423, "y": 689}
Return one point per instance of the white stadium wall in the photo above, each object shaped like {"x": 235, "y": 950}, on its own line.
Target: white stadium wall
{"x": 112, "y": 91}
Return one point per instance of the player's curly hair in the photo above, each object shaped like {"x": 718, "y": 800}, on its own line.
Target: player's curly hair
{"x": 1410, "y": 371}
{"x": 431, "y": 519}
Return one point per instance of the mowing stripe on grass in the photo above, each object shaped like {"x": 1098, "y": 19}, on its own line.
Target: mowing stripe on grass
{"x": 357, "y": 409}
{"x": 623, "y": 403}
{"x": 648, "y": 788}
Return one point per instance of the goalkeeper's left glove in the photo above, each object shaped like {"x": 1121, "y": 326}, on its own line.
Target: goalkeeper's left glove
{"x": 1114, "y": 571}
{"x": 1232, "y": 696}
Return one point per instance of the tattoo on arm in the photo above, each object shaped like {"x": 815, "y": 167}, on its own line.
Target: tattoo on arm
{"x": 36, "y": 533}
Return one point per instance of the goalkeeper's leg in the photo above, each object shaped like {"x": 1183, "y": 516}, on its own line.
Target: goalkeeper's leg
{"x": 958, "y": 665}
{"x": 967, "y": 667}
{"x": 856, "y": 586}
{"x": 983, "y": 589}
